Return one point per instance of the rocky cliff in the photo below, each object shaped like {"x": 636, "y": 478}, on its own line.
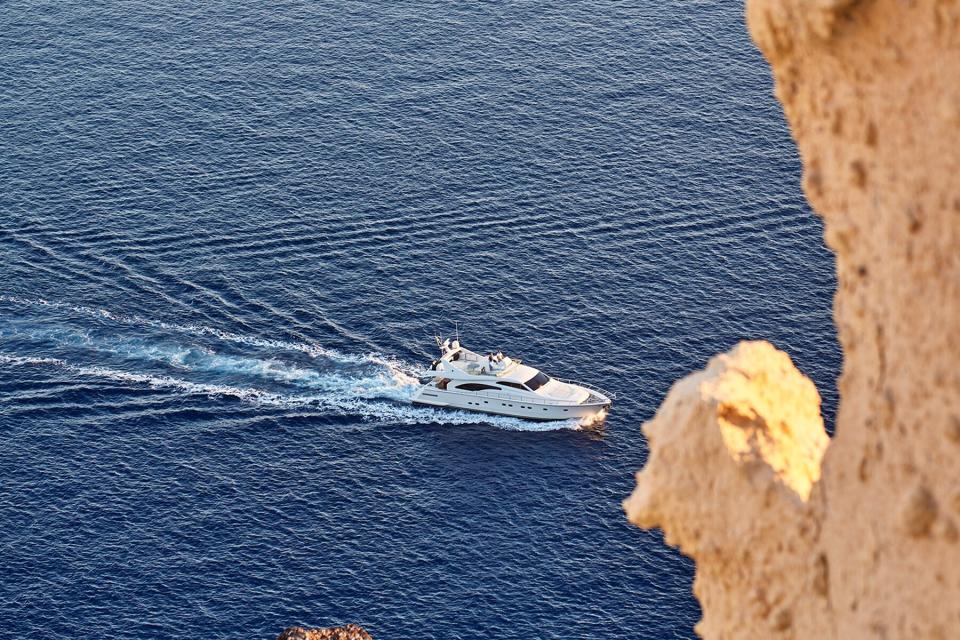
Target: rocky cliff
{"x": 856, "y": 539}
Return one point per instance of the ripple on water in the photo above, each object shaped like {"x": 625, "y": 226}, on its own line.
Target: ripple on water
{"x": 228, "y": 235}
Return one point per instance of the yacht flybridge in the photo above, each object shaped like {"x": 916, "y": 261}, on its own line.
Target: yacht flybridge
{"x": 495, "y": 383}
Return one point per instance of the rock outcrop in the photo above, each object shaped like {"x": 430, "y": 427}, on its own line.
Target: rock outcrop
{"x": 346, "y": 632}
{"x": 735, "y": 451}
{"x": 867, "y": 547}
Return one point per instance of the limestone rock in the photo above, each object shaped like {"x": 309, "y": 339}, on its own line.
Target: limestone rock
{"x": 735, "y": 450}
{"x": 871, "y": 90}
{"x": 919, "y": 512}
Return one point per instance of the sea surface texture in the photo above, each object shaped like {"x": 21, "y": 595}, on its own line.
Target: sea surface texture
{"x": 229, "y": 231}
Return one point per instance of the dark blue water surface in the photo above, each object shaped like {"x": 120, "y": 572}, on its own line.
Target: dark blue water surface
{"x": 228, "y": 230}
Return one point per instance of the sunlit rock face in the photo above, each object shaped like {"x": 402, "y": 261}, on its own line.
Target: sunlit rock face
{"x": 734, "y": 452}
{"x": 871, "y": 89}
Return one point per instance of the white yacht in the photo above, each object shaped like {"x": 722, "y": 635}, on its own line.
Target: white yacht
{"x": 495, "y": 383}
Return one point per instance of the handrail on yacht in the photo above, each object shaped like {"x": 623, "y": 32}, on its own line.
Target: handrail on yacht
{"x": 540, "y": 400}
{"x": 591, "y": 387}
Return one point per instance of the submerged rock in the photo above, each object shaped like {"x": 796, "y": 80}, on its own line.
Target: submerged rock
{"x": 346, "y": 632}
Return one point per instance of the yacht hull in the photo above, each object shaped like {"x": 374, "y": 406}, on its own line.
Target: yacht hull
{"x": 512, "y": 407}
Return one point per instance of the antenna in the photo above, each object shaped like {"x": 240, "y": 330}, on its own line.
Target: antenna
{"x": 456, "y": 325}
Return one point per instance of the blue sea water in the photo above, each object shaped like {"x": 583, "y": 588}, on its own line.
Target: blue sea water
{"x": 229, "y": 230}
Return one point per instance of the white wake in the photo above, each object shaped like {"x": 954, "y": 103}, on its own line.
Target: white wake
{"x": 369, "y": 386}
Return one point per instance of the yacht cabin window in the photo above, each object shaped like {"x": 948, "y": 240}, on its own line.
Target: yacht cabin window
{"x": 473, "y": 386}
{"x": 538, "y": 381}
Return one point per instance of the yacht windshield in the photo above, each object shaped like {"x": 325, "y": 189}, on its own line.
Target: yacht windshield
{"x": 538, "y": 381}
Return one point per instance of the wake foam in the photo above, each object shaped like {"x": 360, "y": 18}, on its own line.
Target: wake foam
{"x": 199, "y": 330}
{"x": 369, "y": 386}
{"x": 338, "y": 404}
